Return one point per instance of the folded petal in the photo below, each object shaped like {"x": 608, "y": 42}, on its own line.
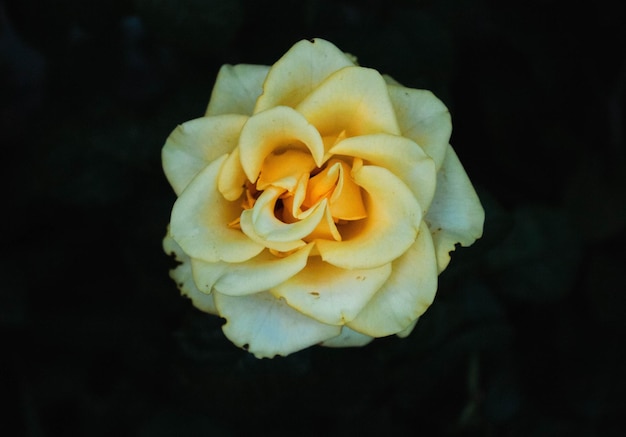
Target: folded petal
{"x": 390, "y": 228}
{"x": 354, "y": 100}
{"x": 299, "y": 71}
{"x": 275, "y": 131}
{"x": 231, "y": 179}
{"x": 263, "y": 219}
{"x": 456, "y": 215}
{"x": 236, "y": 89}
{"x": 196, "y": 143}
{"x": 330, "y": 294}
{"x": 424, "y": 119}
{"x": 183, "y": 277}
{"x": 200, "y": 221}
{"x": 405, "y": 296}
{"x": 403, "y": 157}
{"x": 257, "y": 274}
{"x": 267, "y": 326}
{"x": 348, "y": 338}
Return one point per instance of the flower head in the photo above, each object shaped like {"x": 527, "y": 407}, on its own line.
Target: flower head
{"x": 317, "y": 202}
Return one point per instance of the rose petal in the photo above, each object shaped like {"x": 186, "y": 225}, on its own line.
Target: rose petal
{"x": 196, "y": 143}
{"x": 300, "y": 71}
{"x": 401, "y": 156}
{"x": 231, "y": 179}
{"x": 390, "y": 228}
{"x": 200, "y": 219}
{"x": 354, "y": 100}
{"x": 456, "y": 215}
{"x": 276, "y": 130}
{"x": 285, "y": 170}
{"x": 348, "y": 338}
{"x": 407, "y": 331}
{"x": 267, "y": 326}
{"x": 257, "y": 274}
{"x": 424, "y": 119}
{"x": 408, "y": 292}
{"x": 267, "y": 226}
{"x": 330, "y": 294}
{"x": 183, "y": 277}
{"x": 236, "y": 89}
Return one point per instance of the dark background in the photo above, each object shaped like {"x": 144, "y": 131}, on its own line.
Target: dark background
{"x": 526, "y": 335}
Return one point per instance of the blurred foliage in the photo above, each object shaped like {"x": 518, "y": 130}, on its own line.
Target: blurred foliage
{"x": 525, "y": 337}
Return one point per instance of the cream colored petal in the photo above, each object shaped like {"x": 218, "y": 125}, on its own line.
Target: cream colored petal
{"x": 231, "y": 179}
{"x": 183, "y": 277}
{"x": 299, "y": 72}
{"x": 268, "y": 227}
{"x": 330, "y": 294}
{"x": 408, "y": 292}
{"x": 248, "y": 227}
{"x": 276, "y": 130}
{"x": 424, "y": 119}
{"x": 196, "y": 143}
{"x": 403, "y": 157}
{"x": 348, "y": 338}
{"x": 354, "y": 100}
{"x": 236, "y": 89}
{"x": 285, "y": 170}
{"x": 267, "y": 326}
{"x": 200, "y": 219}
{"x": 390, "y": 228}
{"x": 407, "y": 331}
{"x": 456, "y": 215}
{"x": 257, "y": 274}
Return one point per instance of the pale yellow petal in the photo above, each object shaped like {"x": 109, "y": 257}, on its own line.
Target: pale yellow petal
{"x": 354, "y": 100}
{"x": 348, "y": 338}
{"x": 231, "y": 179}
{"x": 424, "y": 119}
{"x": 257, "y": 274}
{"x": 200, "y": 219}
{"x": 196, "y": 143}
{"x": 267, "y": 326}
{"x": 405, "y": 296}
{"x": 285, "y": 170}
{"x": 456, "y": 215}
{"x": 236, "y": 89}
{"x": 330, "y": 294}
{"x": 270, "y": 228}
{"x": 275, "y": 131}
{"x": 183, "y": 277}
{"x": 407, "y": 331}
{"x": 403, "y": 157}
{"x": 300, "y": 71}
{"x": 390, "y": 228}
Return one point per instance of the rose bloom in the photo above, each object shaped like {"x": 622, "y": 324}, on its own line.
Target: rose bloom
{"x": 317, "y": 202}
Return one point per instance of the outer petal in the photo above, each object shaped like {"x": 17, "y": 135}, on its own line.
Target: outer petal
{"x": 299, "y": 72}
{"x": 194, "y": 144}
{"x": 424, "y": 119}
{"x": 406, "y": 295}
{"x": 393, "y": 220}
{"x": 330, "y": 294}
{"x": 456, "y": 215}
{"x": 267, "y": 326}
{"x": 200, "y": 219}
{"x": 276, "y": 129}
{"x": 401, "y": 156}
{"x": 236, "y": 89}
{"x": 257, "y": 274}
{"x": 348, "y": 338}
{"x": 183, "y": 277}
{"x": 354, "y": 100}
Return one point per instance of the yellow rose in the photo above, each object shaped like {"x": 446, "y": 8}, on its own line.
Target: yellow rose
{"x": 317, "y": 202}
